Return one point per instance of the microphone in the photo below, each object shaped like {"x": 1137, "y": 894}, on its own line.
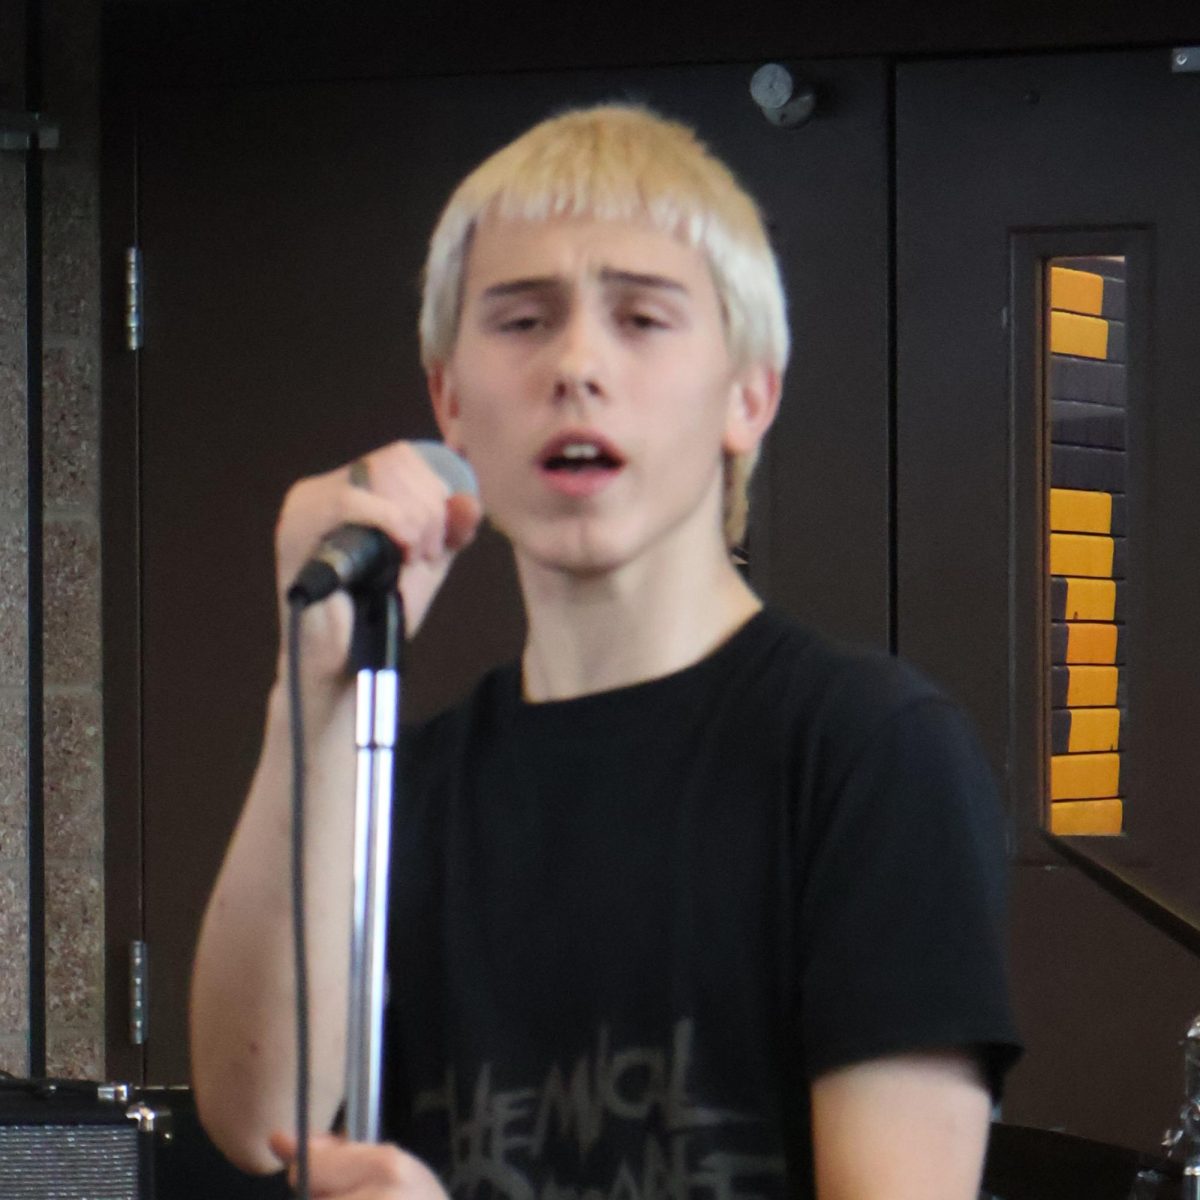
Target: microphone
{"x": 359, "y": 557}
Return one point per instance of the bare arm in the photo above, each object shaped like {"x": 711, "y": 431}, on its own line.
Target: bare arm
{"x": 910, "y": 1127}
{"x": 243, "y": 997}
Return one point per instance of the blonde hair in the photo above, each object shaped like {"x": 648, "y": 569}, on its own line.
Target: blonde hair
{"x": 623, "y": 162}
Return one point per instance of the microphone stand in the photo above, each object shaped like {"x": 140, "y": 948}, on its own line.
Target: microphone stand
{"x": 375, "y": 652}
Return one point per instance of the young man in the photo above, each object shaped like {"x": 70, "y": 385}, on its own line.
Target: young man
{"x": 690, "y": 901}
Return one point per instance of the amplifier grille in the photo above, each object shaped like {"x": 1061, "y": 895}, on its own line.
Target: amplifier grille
{"x": 69, "y": 1162}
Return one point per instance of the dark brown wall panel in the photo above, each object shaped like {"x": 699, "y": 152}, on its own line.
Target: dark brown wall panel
{"x": 283, "y": 229}
{"x": 999, "y": 162}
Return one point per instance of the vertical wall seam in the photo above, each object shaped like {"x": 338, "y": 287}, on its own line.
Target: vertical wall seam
{"x": 35, "y": 722}
{"x": 893, "y": 404}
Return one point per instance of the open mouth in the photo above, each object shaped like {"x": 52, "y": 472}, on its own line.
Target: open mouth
{"x": 581, "y": 456}
{"x": 577, "y": 455}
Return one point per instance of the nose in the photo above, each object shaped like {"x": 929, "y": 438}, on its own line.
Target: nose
{"x": 578, "y": 366}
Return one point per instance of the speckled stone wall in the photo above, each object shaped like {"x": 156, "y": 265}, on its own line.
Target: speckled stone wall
{"x": 73, "y": 785}
{"x": 13, "y": 628}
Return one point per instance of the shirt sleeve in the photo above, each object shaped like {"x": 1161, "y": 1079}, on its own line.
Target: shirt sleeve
{"x": 902, "y": 911}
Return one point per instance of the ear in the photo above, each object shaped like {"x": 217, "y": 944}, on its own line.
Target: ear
{"x": 444, "y": 397}
{"x": 753, "y": 402}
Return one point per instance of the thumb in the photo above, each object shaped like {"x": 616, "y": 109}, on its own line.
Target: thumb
{"x": 463, "y": 515}
{"x": 283, "y": 1146}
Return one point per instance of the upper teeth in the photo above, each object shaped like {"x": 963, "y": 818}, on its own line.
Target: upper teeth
{"x": 580, "y": 450}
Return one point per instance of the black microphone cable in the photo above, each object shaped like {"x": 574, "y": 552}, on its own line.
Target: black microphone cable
{"x": 351, "y": 557}
{"x": 296, "y": 606}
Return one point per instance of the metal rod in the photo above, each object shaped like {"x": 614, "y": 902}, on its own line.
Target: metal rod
{"x": 375, "y": 738}
{"x": 357, "y": 1091}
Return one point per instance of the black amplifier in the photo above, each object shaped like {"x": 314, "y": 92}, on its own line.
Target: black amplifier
{"x": 70, "y": 1140}
{"x": 73, "y": 1141}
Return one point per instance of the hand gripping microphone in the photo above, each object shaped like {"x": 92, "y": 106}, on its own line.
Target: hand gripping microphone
{"x": 358, "y": 557}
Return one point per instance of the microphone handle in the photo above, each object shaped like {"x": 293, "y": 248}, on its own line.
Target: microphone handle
{"x": 355, "y": 557}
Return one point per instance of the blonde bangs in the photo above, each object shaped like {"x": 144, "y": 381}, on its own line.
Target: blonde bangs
{"x": 619, "y": 163}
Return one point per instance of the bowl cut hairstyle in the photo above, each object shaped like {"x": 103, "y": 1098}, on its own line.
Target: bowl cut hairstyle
{"x": 623, "y": 163}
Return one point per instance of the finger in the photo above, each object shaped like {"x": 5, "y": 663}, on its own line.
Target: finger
{"x": 337, "y": 1166}
{"x": 402, "y": 466}
{"x": 417, "y": 523}
{"x": 463, "y": 516}
{"x": 404, "y": 474}
{"x": 287, "y": 1149}
{"x": 283, "y": 1146}
{"x": 400, "y": 469}
{"x": 344, "y": 1170}
{"x": 358, "y": 474}
{"x": 413, "y": 522}
{"x": 370, "y": 1191}
{"x": 286, "y": 1146}
{"x": 397, "y": 473}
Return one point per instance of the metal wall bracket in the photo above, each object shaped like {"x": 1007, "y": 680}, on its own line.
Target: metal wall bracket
{"x": 1185, "y": 59}
{"x": 27, "y": 131}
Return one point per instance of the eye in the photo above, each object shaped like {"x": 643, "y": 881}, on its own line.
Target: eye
{"x": 525, "y": 323}
{"x": 641, "y": 319}
{"x": 523, "y": 317}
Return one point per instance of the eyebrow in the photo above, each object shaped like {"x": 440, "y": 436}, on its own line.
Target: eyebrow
{"x": 608, "y": 275}
{"x": 637, "y": 279}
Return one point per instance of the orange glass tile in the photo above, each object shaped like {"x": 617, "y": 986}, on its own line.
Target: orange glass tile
{"x": 1085, "y": 337}
{"x": 1091, "y": 642}
{"x": 1090, "y": 600}
{"x": 1086, "y": 817}
{"x": 1092, "y": 687}
{"x": 1084, "y": 776}
{"x": 1082, "y": 554}
{"x": 1074, "y": 511}
{"x": 1094, "y": 729}
{"x": 1076, "y": 291}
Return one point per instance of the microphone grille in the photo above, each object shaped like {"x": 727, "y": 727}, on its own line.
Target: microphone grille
{"x": 453, "y": 470}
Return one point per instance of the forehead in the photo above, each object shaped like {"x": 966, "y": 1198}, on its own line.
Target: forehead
{"x": 580, "y": 249}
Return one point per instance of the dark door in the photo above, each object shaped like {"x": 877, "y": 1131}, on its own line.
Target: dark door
{"x": 283, "y": 229}
{"x": 1017, "y": 177}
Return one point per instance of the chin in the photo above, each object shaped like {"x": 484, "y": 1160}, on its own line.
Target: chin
{"x": 586, "y": 552}
{"x": 583, "y": 564}
{"x": 598, "y": 545}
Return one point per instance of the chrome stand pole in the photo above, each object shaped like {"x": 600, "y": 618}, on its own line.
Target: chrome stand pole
{"x": 1191, "y": 1181}
{"x": 376, "y": 724}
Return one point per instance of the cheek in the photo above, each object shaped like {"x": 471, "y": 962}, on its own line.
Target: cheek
{"x": 701, "y": 415}
{"x": 487, "y": 439}
{"x": 480, "y": 409}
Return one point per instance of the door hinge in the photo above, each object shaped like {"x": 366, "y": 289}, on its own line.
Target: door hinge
{"x": 133, "y": 298}
{"x": 139, "y": 1013}
{"x": 27, "y": 131}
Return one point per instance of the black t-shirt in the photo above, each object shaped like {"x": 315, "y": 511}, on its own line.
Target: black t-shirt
{"x": 629, "y": 928}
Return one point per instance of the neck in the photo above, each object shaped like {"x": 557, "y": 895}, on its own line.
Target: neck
{"x": 639, "y": 622}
